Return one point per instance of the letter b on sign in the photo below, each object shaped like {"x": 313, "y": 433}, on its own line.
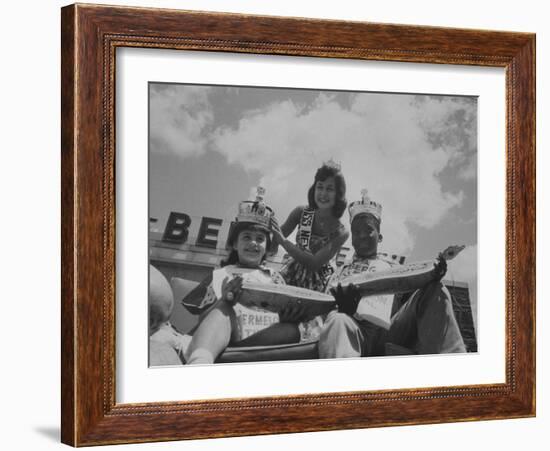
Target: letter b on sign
{"x": 177, "y": 228}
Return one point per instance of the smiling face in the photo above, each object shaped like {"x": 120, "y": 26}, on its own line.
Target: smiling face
{"x": 325, "y": 193}
{"x": 251, "y": 246}
{"x": 365, "y": 236}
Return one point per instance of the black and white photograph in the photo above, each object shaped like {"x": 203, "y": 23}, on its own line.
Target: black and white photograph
{"x": 298, "y": 224}
{"x": 250, "y": 225}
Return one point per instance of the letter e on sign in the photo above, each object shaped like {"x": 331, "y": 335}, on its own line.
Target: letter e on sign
{"x": 208, "y": 232}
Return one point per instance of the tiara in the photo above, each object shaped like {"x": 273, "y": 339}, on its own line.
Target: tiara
{"x": 332, "y": 164}
{"x": 255, "y": 211}
{"x": 365, "y": 206}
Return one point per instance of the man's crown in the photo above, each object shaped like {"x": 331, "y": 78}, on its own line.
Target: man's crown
{"x": 255, "y": 211}
{"x": 365, "y": 206}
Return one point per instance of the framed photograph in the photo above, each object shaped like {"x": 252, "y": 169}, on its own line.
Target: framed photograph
{"x": 267, "y": 218}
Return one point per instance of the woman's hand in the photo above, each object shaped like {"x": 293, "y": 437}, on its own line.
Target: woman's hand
{"x": 293, "y": 312}
{"x": 231, "y": 289}
{"x": 278, "y": 237}
{"x": 347, "y": 298}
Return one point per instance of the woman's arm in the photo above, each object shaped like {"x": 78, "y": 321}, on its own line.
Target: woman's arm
{"x": 281, "y": 232}
{"x": 292, "y": 221}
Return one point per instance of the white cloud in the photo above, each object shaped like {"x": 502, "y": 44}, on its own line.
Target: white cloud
{"x": 452, "y": 125}
{"x": 382, "y": 142}
{"x": 178, "y": 118}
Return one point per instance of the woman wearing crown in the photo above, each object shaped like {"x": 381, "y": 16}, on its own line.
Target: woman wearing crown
{"x": 319, "y": 237}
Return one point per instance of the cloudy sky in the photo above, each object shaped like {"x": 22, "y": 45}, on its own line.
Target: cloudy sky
{"x": 210, "y": 146}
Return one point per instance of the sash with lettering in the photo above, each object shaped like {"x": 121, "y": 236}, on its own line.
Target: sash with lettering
{"x": 304, "y": 230}
{"x": 304, "y": 238}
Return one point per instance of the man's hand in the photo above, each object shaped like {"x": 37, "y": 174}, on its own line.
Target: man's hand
{"x": 293, "y": 312}
{"x": 440, "y": 267}
{"x": 231, "y": 289}
{"x": 452, "y": 251}
{"x": 347, "y": 298}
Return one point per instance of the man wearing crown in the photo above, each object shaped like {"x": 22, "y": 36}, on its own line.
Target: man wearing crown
{"x": 424, "y": 324}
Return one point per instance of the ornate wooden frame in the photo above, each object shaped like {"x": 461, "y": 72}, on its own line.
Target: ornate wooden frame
{"x": 90, "y": 35}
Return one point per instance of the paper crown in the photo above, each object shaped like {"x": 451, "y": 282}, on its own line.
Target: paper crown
{"x": 255, "y": 211}
{"x": 365, "y": 206}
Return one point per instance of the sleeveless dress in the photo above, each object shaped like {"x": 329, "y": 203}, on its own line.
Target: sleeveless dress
{"x": 299, "y": 275}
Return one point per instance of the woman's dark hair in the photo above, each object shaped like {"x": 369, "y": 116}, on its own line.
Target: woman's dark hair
{"x": 233, "y": 257}
{"x": 323, "y": 173}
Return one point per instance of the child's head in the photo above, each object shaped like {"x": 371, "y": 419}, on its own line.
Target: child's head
{"x": 328, "y": 190}
{"x": 248, "y": 243}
